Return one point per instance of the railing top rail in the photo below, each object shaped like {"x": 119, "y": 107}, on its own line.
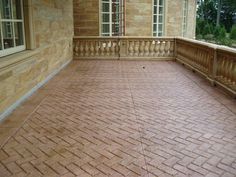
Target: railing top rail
{"x": 122, "y": 37}
{"x": 214, "y": 46}
{"x": 227, "y": 49}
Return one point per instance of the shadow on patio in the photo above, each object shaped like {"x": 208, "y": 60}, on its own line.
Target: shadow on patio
{"x": 122, "y": 118}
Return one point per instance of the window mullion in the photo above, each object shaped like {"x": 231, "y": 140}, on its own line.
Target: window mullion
{"x": 23, "y": 22}
{"x": 157, "y": 24}
{"x": 13, "y": 25}
{"x": 1, "y": 31}
{"x": 110, "y": 20}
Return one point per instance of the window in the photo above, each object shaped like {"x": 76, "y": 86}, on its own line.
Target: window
{"x": 185, "y": 16}
{"x": 158, "y": 17}
{"x": 112, "y": 18}
{"x": 11, "y": 27}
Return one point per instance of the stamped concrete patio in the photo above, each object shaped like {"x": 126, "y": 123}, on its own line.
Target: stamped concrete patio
{"x": 122, "y": 118}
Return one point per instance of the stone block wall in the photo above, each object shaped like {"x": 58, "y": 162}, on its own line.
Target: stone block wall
{"x": 138, "y": 19}
{"x": 52, "y": 23}
{"x": 86, "y": 17}
{"x": 174, "y": 18}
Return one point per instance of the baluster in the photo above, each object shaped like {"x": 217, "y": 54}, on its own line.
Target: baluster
{"x": 230, "y": 79}
{"x": 146, "y": 48}
{"x": 219, "y": 67}
{"x": 141, "y": 48}
{"x": 108, "y": 45}
{"x": 136, "y": 48}
{"x": 234, "y": 74}
{"x": 131, "y": 48}
{"x": 117, "y": 48}
{"x": 76, "y": 48}
{"x": 86, "y": 48}
{"x": 81, "y": 48}
{"x": 172, "y": 48}
{"x": 113, "y": 48}
{"x": 152, "y": 46}
{"x": 96, "y": 48}
{"x": 102, "y": 47}
{"x": 227, "y": 70}
{"x": 223, "y": 68}
{"x": 91, "y": 48}
{"x": 162, "y": 48}
{"x": 167, "y": 48}
{"x": 157, "y": 48}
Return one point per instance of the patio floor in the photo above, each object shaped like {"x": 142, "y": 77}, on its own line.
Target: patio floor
{"x": 122, "y": 118}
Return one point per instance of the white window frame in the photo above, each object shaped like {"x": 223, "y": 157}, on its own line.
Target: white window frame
{"x": 8, "y": 51}
{"x": 110, "y": 23}
{"x": 155, "y": 7}
{"x": 185, "y": 18}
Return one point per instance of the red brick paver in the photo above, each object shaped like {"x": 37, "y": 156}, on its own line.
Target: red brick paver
{"x": 123, "y": 118}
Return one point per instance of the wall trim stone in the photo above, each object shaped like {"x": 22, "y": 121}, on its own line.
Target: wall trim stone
{"x": 10, "y": 109}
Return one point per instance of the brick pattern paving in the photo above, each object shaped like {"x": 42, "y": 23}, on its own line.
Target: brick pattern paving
{"x": 125, "y": 118}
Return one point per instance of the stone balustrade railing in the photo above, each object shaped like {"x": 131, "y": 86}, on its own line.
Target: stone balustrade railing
{"x": 123, "y": 47}
{"x": 216, "y": 63}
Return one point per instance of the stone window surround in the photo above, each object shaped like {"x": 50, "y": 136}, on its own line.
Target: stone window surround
{"x": 29, "y": 39}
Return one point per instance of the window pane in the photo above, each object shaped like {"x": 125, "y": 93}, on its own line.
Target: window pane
{"x": 16, "y": 9}
{"x": 115, "y": 18}
{"x": 7, "y": 35}
{"x": 155, "y": 2}
{"x": 115, "y": 28}
{"x": 19, "y": 33}
{"x": 159, "y": 27}
{"x": 155, "y": 27}
{"x": 115, "y": 8}
{"x": 154, "y": 18}
{"x": 160, "y": 19}
{"x": 105, "y": 17}
{"x": 160, "y": 10}
{"x": 161, "y": 2}
{"x": 105, "y": 7}
{"x": 155, "y": 9}
{"x": 105, "y": 28}
{"x": 5, "y": 6}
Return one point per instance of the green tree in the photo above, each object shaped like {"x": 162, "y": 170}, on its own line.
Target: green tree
{"x": 217, "y": 12}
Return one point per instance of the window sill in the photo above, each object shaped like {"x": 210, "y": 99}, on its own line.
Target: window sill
{"x": 16, "y": 58}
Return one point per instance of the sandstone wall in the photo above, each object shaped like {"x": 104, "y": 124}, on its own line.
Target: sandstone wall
{"x": 86, "y": 17}
{"x": 173, "y": 18}
{"x": 138, "y": 17}
{"x": 191, "y": 19}
{"x": 52, "y": 34}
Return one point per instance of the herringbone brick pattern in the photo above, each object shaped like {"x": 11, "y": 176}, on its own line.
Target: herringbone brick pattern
{"x": 125, "y": 118}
